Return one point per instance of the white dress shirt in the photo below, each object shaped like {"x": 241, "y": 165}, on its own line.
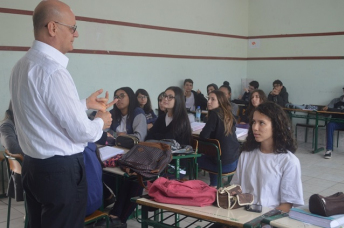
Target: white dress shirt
{"x": 49, "y": 116}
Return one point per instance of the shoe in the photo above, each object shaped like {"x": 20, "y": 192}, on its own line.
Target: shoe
{"x": 328, "y": 154}
{"x": 113, "y": 223}
{"x": 110, "y": 201}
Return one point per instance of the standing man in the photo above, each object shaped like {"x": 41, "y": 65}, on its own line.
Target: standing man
{"x": 51, "y": 121}
{"x": 279, "y": 94}
{"x": 336, "y": 105}
{"x": 193, "y": 99}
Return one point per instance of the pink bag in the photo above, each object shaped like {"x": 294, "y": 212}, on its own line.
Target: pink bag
{"x": 189, "y": 193}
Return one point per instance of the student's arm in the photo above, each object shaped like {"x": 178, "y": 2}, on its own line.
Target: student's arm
{"x": 153, "y": 119}
{"x": 270, "y": 97}
{"x": 285, "y": 207}
{"x": 200, "y": 100}
{"x": 153, "y": 133}
{"x": 9, "y": 138}
{"x": 283, "y": 98}
{"x": 209, "y": 126}
{"x": 140, "y": 127}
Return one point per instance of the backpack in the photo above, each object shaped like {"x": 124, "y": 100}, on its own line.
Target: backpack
{"x": 147, "y": 159}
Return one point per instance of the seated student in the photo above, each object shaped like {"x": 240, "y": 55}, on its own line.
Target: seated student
{"x": 211, "y": 87}
{"x": 247, "y": 94}
{"x": 8, "y": 135}
{"x": 267, "y": 167}
{"x": 279, "y": 94}
{"x": 336, "y": 104}
{"x": 228, "y": 92}
{"x": 145, "y": 103}
{"x": 174, "y": 124}
{"x": 161, "y": 108}
{"x": 257, "y": 97}
{"x": 127, "y": 117}
{"x": 193, "y": 99}
{"x": 220, "y": 126}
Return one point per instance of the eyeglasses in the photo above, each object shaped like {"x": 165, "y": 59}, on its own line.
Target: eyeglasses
{"x": 73, "y": 27}
{"x": 119, "y": 97}
{"x": 142, "y": 97}
{"x": 168, "y": 97}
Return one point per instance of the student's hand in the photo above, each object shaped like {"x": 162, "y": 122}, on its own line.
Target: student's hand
{"x": 109, "y": 135}
{"x": 246, "y": 90}
{"x": 275, "y": 92}
{"x": 101, "y": 103}
{"x": 198, "y": 91}
{"x": 149, "y": 126}
{"x": 325, "y": 108}
{"x": 106, "y": 117}
{"x": 121, "y": 133}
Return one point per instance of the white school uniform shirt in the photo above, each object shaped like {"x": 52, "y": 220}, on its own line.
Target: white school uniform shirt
{"x": 190, "y": 102}
{"x": 49, "y": 116}
{"x": 271, "y": 178}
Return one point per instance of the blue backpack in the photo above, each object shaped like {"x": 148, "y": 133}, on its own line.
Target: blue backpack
{"x": 94, "y": 179}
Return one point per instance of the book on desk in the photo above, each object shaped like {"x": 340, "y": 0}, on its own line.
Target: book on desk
{"x": 107, "y": 152}
{"x": 304, "y": 215}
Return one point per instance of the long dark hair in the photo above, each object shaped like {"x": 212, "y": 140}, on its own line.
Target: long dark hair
{"x": 225, "y": 111}
{"x": 181, "y": 124}
{"x": 148, "y": 106}
{"x": 9, "y": 113}
{"x": 262, "y": 98}
{"x": 160, "y": 97}
{"x": 116, "y": 113}
{"x": 282, "y": 134}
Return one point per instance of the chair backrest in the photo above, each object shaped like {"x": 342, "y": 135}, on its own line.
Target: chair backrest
{"x": 194, "y": 144}
{"x": 210, "y": 147}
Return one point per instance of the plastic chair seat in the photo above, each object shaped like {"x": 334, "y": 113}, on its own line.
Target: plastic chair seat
{"x": 96, "y": 216}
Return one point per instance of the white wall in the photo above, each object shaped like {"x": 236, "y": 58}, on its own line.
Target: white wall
{"x": 307, "y": 81}
{"x": 93, "y": 71}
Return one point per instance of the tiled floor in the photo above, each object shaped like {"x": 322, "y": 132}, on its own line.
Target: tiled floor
{"x": 319, "y": 175}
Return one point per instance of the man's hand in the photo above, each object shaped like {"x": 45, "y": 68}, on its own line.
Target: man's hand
{"x": 101, "y": 104}
{"x": 198, "y": 91}
{"x": 275, "y": 92}
{"x": 106, "y": 117}
{"x": 325, "y": 108}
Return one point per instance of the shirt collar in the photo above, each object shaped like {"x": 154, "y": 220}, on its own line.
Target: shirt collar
{"x": 51, "y": 52}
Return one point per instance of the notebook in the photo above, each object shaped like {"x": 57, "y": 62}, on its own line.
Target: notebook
{"x": 241, "y": 132}
{"x": 107, "y": 152}
{"x": 304, "y": 215}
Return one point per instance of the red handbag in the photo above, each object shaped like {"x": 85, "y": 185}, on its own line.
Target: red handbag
{"x": 190, "y": 193}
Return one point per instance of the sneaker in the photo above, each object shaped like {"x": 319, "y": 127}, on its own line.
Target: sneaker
{"x": 328, "y": 154}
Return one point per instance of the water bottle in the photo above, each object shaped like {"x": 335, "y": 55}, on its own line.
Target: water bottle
{"x": 198, "y": 114}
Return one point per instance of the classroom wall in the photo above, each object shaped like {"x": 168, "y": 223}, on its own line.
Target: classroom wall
{"x": 319, "y": 27}
{"x": 142, "y": 44}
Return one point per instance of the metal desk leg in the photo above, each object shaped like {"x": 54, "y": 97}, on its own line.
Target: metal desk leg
{"x": 316, "y": 149}
{"x": 177, "y": 169}
{"x": 144, "y": 214}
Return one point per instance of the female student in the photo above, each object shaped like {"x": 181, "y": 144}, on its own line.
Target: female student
{"x": 145, "y": 103}
{"x": 220, "y": 126}
{"x": 174, "y": 124}
{"x": 267, "y": 167}
{"x": 257, "y": 97}
{"x": 227, "y": 90}
{"x": 161, "y": 109}
{"x": 211, "y": 87}
{"x": 127, "y": 117}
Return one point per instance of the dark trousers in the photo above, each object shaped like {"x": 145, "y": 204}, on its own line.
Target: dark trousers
{"x": 56, "y": 191}
{"x": 330, "y": 128}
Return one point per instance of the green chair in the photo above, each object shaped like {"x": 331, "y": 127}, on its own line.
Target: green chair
{"x": 95, "y": 216}
{"x": 211, "y": 147}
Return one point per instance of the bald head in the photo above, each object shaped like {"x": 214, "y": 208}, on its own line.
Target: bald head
{"x": 48, "y": 10}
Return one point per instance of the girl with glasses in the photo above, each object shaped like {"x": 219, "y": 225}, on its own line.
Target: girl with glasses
{"x": 220, "y": 126}
{"x": 145, "y": 103}
{"x": 174, "y": 124}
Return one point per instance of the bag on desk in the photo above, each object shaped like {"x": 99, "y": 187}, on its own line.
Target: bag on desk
{"x": 126, "y": 141}
{"x": 231, "y": 197}
{"x": 327, "y": 205}
{"x": 146, "y": 159}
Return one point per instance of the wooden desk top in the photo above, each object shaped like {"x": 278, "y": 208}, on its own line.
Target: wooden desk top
{"x": 237, "y": 217}
{"x": 287, "y": 222}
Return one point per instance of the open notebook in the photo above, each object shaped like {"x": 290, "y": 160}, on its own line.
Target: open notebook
{"x": 107, "y": 152}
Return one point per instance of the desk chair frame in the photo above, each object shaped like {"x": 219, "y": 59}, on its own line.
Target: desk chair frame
{"x": 212, "y": 147}
{"x": 14, "y": 165}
